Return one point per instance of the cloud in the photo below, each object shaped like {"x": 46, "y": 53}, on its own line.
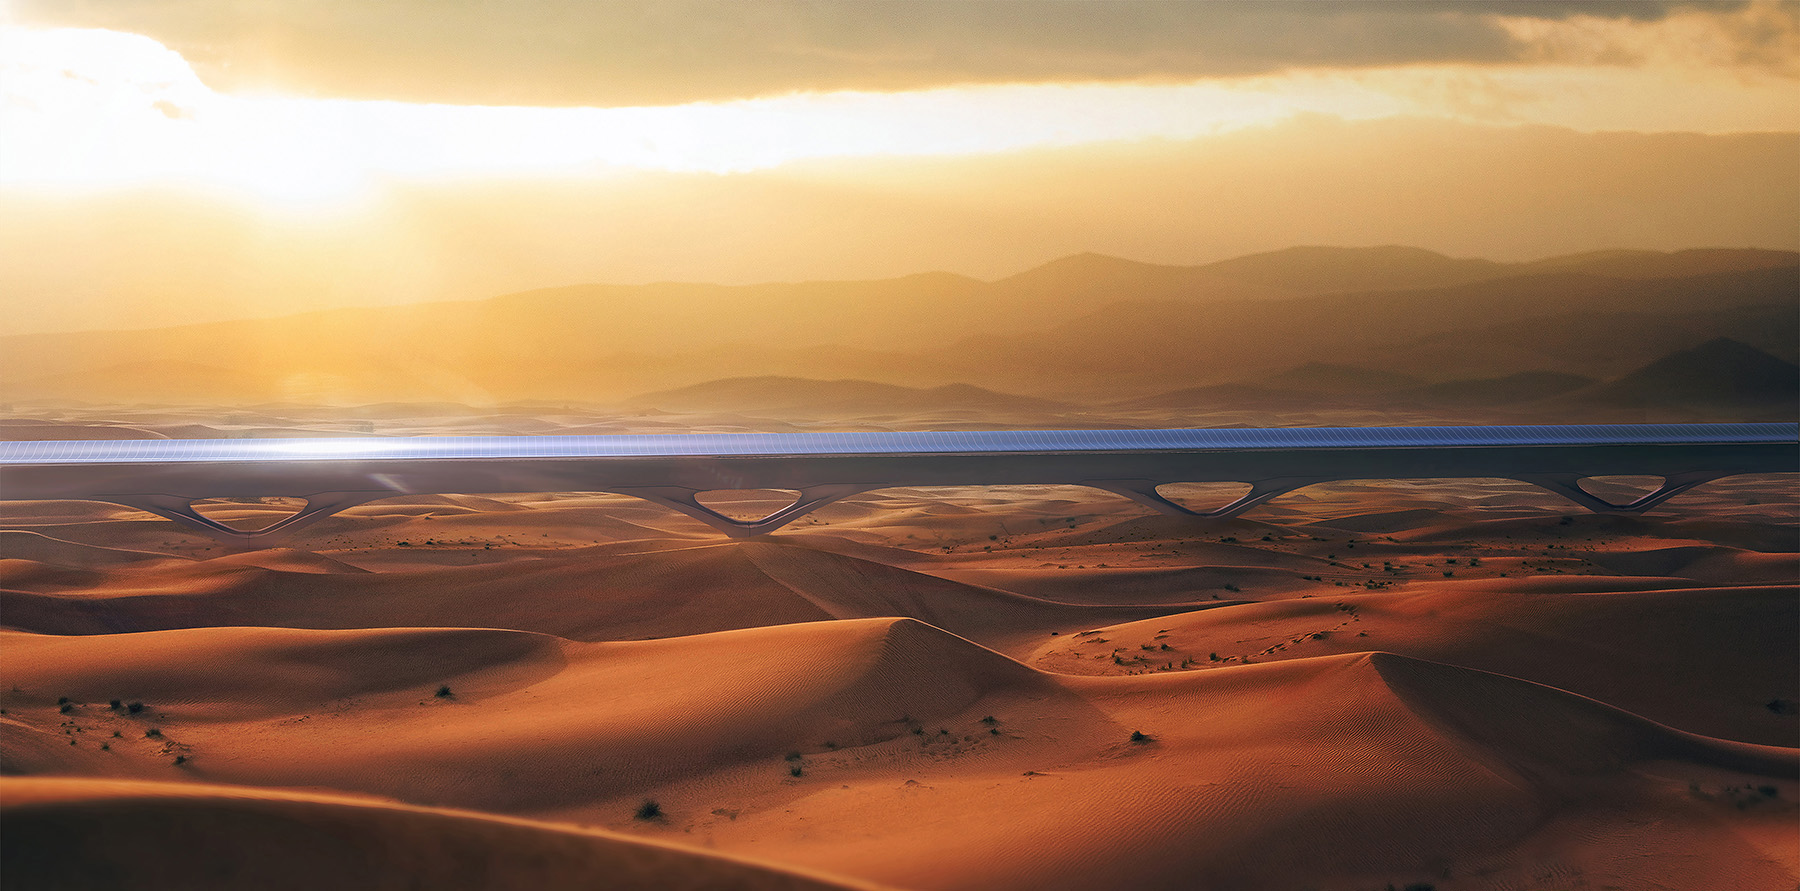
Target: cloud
{"x": 538, "y": 52}
{"x": 1762, "y": 37}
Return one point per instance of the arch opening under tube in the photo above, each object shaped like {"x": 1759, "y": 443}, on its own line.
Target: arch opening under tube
{"x": 747, "y": 505}
{"x": 249, "y": 514}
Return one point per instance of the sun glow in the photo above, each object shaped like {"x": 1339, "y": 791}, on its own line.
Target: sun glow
{"x": 97, "y": 109}
{"x": 87, "y": 108}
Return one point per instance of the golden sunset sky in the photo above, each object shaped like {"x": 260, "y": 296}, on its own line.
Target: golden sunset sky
{"x": 173, "y": 161}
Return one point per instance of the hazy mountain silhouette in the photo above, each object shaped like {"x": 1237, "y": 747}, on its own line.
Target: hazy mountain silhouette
{"x": 1720, "y": 372}
{"x": 1222, "y": 396}
{"x": 1144, "y": 345}
{"x": 1089, "y": 327}
{"x": 1331, "y": 270}
{"x": 1327, "y": 377}
{"x": 792, "y": 394}
{"x": 1524, "y": 386}
{"x": 1659, "y": 264}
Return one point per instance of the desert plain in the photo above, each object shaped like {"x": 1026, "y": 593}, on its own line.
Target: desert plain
{"x": 1460, "y": 684}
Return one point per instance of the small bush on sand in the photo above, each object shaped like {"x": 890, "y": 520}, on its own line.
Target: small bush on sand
{"x": 444, "y": 692}
{"x": 649, "y": 810}
{"x": 1139, "y": 736}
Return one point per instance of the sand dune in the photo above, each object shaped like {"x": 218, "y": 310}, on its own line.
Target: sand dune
{"x": 185, "y": 836}
{"x": 1688, "y": 658}
{"x": 890, "y": 717}
{"x": 1253, "y": 778}
{"x": 530, "y": 724}
{"x": 35, "y": 546}
{"x": 587, "y": 595}
{"x": 20, "y": 431}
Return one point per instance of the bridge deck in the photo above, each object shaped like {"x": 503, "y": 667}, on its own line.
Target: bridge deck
{"x": 167, "y": 476}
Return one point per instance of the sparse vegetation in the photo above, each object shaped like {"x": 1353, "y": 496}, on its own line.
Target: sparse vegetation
{"x": 1139, "y": 736}
{"x": 444, "y": 692}
{"x": 1741, "y": 797}
{"x": 796, "y": 770}
{"x": 649, "y": 810}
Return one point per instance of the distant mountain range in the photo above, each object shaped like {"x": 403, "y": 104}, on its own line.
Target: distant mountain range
{"x": 1289, "y": 326}
{"x": 1719, "y": 373}
{"x": 837, "y": 398}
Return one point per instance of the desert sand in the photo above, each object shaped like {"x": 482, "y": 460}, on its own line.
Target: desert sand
{"x": 1455, "y": 685}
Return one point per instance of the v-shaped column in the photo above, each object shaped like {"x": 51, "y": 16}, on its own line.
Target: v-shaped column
{"x": 684, "y": 500}
{"x": 1144, "y": 492}
{"x": 181, "y": 510}
{"x": 1568, "y": 485}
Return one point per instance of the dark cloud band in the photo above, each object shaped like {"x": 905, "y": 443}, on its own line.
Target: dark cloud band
{"x": 539, "y": 52}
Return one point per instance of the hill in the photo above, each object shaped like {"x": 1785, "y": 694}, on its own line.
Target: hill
{"x": 1524, "y": 386}
{"x": 1720, "y": 372}
{"x": 1331, "y": 270}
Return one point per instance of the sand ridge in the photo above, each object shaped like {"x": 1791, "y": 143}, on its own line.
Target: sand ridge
{"x": 194, "y": 836}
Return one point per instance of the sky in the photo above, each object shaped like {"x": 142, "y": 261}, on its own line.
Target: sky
{"x": 174, "y": 161}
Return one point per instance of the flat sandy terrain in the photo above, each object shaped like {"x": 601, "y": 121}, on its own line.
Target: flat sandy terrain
{"x": 1457, "y": 685}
